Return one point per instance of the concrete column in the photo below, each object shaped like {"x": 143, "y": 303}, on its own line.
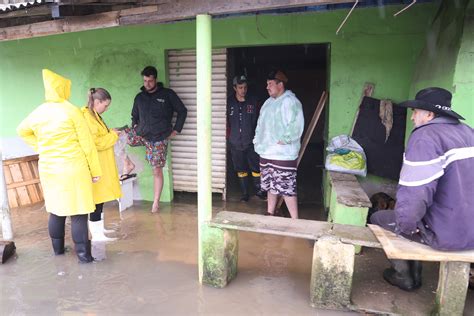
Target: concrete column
{"x": 220, "y": 256}
{"x": 452, "y": 288}
{"x": 331, "y": 274}
{"x": 7, "y": 231}
{"x": 203, "y": 74}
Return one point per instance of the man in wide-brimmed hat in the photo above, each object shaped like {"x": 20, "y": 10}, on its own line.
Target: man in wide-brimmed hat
{"x": 435, "y": 202}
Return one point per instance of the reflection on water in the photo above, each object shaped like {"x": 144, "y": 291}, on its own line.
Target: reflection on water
{"x": 152, "y": 269}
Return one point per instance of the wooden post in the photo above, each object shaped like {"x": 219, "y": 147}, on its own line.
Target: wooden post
{"x": 203, "y": 96}
{"x": 452, "y": 288}
{"x": 7, "y": 231}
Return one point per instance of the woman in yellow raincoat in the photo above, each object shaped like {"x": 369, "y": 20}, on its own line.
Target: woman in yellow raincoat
{"x": 108, "y": 188}
{"x": 68, "y": 163}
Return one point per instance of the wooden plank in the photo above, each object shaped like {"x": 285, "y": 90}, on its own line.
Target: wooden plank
{"x": 186, "y": 9}
{"x": 367, "y": 91}
{"x": 15, "y": 171}
{"x": 312, "y": 125}
{"x": 26, "y": 171}
{"x": 7, "y": 174}
{"x": 299, "y": 228}
{"x": 33, "y": 193}
{"x": 23, "y": 195}
{"x": 167, "y": 12}
{"x": 12, "y": 198}
{"x": 348, "y": 190}
{"x": 308, "y": 134}
{"x": 355, "y": 235}
{"x": 396, "y": 247}
{"x": 21, "y": 159}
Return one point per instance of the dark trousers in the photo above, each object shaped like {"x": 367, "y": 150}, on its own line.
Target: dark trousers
{"x": 97, "y": 214}
{"x": 245, "y": 159}
{"x": 387, "y": 220}
{"x": 79, "y": 230}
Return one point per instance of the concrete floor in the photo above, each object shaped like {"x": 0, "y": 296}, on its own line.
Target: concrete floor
{"x": 152, "y": 269}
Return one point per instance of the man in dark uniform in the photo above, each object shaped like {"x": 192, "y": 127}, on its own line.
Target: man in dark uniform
{"x": 242, "y": 115}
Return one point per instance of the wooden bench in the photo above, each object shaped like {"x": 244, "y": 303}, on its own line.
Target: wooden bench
{"x": 453, "y": 271}
{"x": 333, "y": 257}
{"x": 333, "y": 254}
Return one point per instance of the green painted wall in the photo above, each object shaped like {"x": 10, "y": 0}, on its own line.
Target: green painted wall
{"x": 447, "y": 59}
{"x": 373, "y": 46}
{"x": 463, "y": 98}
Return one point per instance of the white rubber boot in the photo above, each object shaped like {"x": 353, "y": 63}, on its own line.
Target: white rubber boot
{"x": 106, "y": 231}
{"x": 97, "y": 231}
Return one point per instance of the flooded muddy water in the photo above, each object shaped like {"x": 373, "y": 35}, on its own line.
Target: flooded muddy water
{"x": 152, "y": 269}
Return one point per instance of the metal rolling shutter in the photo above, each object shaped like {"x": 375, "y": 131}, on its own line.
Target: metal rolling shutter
{"x": 182, "y": 79}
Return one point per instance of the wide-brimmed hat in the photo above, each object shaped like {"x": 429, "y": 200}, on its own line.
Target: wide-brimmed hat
{"x": 436, "y": 100}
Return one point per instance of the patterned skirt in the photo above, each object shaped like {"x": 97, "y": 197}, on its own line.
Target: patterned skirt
{"x": 278, "y": 176}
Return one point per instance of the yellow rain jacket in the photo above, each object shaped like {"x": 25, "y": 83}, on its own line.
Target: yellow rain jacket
{"x": 108, "y": 187}
{"x": 67, "y": 156}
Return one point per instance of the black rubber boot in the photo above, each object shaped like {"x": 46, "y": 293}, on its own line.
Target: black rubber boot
{"x": 258, "y": 189}
{"x": 58, "y": 245}
{"x": 415, "y": 268}
{"x": 83, "y": 251}
{"x": 244, "y": 189}
{"x": 400, "y": 275}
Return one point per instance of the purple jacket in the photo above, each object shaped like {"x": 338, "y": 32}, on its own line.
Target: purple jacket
{"x": 436, "y": 187}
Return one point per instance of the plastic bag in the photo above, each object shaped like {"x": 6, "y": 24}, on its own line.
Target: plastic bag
{"x": 346, "y": 155}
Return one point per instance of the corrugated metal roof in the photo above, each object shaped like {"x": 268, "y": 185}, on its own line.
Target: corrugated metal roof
{"x": 22, "y": 5}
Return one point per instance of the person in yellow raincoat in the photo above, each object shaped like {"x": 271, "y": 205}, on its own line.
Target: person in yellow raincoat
{"x": 68, "y": 163}
{"x": 108, "y": 187}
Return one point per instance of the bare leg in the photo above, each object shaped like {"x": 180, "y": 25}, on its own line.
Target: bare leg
{"x": 292, "y": 204}
{"x": 128, "y": 165}
{"x": 271, "y": 202}
{"x": 158, "y": 186}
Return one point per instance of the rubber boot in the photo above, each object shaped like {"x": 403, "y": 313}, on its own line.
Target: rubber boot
{"x": 97, "y": 231}
{"x": 106, "y": 231}
{"x": 258, "y": 189}
{"x": 83, "y": 252}
{"x": 58, "y": 245}
{"x": 400, "y": 275}
{"x": 244, "y": 189}
{"x": 415, "y": 268}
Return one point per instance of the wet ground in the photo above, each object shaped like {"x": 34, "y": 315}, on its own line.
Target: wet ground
{"x": 152, "y": 269}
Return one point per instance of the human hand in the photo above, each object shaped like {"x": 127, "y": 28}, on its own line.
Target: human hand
{"x": 173, "y": 134}
{"x": 95, "y": 179}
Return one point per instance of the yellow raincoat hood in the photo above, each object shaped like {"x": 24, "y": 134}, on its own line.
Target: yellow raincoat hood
{"x": 56, "y": 87}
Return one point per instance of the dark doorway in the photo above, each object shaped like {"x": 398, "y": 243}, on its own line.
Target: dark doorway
{"x": 307, "y": 69}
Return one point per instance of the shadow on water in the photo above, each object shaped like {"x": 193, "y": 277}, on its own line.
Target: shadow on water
{"x": 152, "y": 269}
